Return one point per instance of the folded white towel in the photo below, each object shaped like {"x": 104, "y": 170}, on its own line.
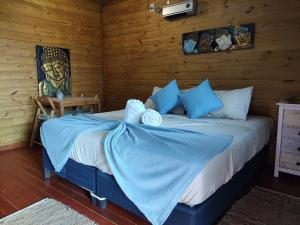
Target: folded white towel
{"x": 151, "y": 117}
{"x": 133, "y": 111}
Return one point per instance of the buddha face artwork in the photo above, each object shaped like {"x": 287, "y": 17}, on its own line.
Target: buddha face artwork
{"x": 53, "y": 67}
{"x": 227, "y": 38}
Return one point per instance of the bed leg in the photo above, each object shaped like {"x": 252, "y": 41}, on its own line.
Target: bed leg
{"x": 102, "y": 202}
{"x": 93, "y": 199}
{"x": 47, "y": 173}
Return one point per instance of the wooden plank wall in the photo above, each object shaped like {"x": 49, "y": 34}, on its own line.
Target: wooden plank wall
{"x": 141, "y": 50}
{"x": 72, "y": 24}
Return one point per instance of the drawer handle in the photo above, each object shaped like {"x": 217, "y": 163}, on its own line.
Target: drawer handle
{"x": 298, "y": 163}
{"x": 298, "y": 149}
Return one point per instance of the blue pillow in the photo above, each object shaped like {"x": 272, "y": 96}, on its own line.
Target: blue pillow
{"x": 167, "y": 98}
{"x": 200, "y": 101}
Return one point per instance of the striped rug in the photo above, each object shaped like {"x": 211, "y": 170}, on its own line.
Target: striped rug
{"x": 45, "y": 212}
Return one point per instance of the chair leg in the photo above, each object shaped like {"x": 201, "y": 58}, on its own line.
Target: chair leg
{"x": 35, "y": 127}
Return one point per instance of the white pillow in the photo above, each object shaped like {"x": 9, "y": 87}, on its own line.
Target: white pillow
{"x": 150, "y": 104}
{"x": 236, "y": 104}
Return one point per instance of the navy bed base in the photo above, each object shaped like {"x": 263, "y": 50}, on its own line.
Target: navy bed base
{"x": 79, "y": 174}
{"x": 203, "y": 214}
{"x": 206, "y": 213}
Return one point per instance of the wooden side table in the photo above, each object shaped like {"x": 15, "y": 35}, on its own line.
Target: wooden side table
{"x": 288, "y": 140}
{"x": 72, "y": 101}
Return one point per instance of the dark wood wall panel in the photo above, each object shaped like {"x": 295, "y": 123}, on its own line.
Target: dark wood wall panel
{"x": 141, "y": 50}
{"x": 62, "y": 23}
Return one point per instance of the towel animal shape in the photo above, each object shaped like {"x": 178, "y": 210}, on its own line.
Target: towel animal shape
{"x": 133, "y": 111}
{"x": 151, "y": 117}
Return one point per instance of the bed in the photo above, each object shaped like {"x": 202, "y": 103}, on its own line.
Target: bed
{"x": 205, "y": 199}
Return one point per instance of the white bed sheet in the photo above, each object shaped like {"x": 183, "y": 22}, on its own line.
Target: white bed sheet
{"x": 249, "y": 137}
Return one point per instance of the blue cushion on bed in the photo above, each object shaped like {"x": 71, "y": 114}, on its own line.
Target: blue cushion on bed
{"x": 167, "y": 98}
{"x": 200, "y": 101}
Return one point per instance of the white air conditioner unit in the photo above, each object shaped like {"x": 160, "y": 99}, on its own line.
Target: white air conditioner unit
{"x": 178, "y": 10}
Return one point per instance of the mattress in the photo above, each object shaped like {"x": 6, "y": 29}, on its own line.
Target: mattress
{"x": 249, "y": 137}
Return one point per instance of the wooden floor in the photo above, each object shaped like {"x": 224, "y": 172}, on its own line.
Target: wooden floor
{"x": 22, "y": 183}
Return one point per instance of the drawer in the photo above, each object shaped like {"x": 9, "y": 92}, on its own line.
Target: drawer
{"x": 291, "y": 130}
{"x": 291, "y": 117}
{"x": 290, "y": 140}
{"x": 290, "y": 136}
{"x": 290, "y": 160}
{"x": 290, "y": 147}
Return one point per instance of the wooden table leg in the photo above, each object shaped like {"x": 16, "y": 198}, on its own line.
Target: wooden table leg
{"x": 61, "y": 110}
{"x": 99, "y": 107}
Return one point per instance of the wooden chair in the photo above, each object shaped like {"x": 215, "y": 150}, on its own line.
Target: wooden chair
{"x": 92, "y": 110}
{"x": 42, "y": 114}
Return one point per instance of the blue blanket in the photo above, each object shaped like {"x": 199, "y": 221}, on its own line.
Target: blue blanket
{"x": 152, "y": 165}
{"x": 59, "y": 135}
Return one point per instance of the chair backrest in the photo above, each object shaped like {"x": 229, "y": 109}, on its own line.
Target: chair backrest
{"x": 93, "y": 108}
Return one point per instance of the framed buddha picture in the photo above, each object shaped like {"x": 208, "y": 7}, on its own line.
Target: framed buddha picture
{"x": 53, "y": 70}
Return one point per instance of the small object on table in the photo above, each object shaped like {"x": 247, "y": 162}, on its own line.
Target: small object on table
{"x": 59, "y": 95}
{"x": 288, "y": 140}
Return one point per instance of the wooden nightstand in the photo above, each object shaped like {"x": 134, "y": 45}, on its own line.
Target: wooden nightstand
{"x": 288, "y": 140}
